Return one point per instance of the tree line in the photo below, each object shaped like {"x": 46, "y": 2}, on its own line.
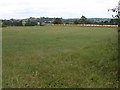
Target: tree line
{"x": 42, "y": 21}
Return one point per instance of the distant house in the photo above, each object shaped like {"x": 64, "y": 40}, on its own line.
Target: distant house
{"x": 38, "y": 23}
{"x": 41, "y": 24}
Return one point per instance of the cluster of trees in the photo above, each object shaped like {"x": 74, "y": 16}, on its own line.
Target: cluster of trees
{"x": 84, "y": 20}
{"x": 11, "y": 22}
{"x": 39, "y": 21}
{"x": 6, "y": 23}
{"x": 58, "y": 21}
{"x": 26, "y": 22}
{"x": 31, "y": 23}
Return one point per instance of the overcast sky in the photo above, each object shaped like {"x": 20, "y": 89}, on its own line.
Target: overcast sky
{"x": 19, "y": 9}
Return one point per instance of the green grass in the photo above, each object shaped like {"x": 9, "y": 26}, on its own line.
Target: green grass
{"x": 59, "y": 57}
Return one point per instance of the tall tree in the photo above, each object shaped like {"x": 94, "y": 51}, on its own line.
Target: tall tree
{"x": 117, "y": 11}
{"x": 83, "y": 20}
{"x": 31, "y": 23}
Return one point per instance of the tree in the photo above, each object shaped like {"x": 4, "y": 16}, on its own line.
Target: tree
{"x": 4, "y": 25}
{"x": 67, "y": 23}
{"x": 7, "y": 22}
{"x": 117, "y": 11}
{"x": 83, "y": 20}
{"x": 112, "y": 21}
{"x": 20, "y": 23}
{"x": 57, "y": 21}
{"x": 31, "y": 23}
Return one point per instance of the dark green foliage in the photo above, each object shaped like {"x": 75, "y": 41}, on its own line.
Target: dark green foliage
{"x": 31, "y": 23}
{"x": 4, "y": 25}
{"x": 83, "y": 20}
{"x": 17, "y": 23}
{"x": 67, "y": 23}
{"x": 12, "y": 22}
{"x": 57, "y": 21}
{"x": 112, "y": 21}
{"x": 118, "y": 22}
{"x": 76, "y": 22}
{"x": 117, "y": 16}
{"x": 7, "y": 22}
{"x": 45, "y": 20}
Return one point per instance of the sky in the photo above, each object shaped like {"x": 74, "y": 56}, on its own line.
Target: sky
{"x": 20, "y": 9}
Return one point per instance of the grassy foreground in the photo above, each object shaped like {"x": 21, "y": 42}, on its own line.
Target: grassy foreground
{"x": 60, "y": 57}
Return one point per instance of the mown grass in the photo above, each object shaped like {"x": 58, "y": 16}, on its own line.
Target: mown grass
{"x": 60, "y": 57}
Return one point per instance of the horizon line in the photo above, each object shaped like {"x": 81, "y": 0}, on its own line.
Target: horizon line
{"x": 53, "y": 17}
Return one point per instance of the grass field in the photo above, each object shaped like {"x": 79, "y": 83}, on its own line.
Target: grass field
{"x": 59, "y": 57}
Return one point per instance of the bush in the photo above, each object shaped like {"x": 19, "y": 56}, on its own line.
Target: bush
{"x": 4, "y": 25}
{"x": 76, "y": 22}
{"x": 57, "y": 21}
